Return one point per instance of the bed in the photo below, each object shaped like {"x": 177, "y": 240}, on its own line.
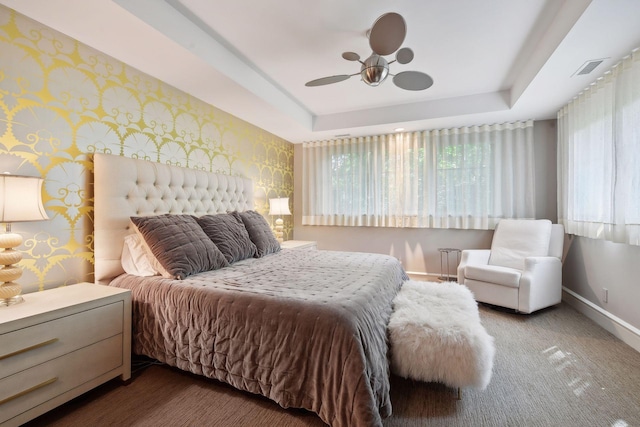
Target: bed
{"x": 306, "y": 329}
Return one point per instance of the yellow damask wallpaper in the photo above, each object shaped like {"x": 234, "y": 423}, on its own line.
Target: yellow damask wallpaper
{"x": 60, "y": 101}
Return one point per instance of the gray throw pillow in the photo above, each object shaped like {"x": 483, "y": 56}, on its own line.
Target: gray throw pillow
{"x": 179, "y": 244}
{"x": 259, "y": 232}
{"x": 229, "y": 235}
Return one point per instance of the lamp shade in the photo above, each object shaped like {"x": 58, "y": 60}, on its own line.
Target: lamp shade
{"x": 21, "y": 198}
{"x": 279, "y": 206}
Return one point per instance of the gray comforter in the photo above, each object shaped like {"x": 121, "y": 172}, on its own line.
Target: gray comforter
{"x": 306, "y": 329}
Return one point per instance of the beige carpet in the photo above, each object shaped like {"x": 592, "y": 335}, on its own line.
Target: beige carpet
{"x": 552, "y": 368}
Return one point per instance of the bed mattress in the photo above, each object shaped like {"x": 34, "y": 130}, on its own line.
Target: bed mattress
{"x": 307, "y": 329}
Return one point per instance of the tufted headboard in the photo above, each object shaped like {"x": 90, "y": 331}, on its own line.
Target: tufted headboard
{"x": 125, "y": 187}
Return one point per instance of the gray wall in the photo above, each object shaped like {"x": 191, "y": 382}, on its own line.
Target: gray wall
{"x": 590, "y": 264}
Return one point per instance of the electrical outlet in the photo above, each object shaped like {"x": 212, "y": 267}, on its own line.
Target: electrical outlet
{"x": 605, "y": 294}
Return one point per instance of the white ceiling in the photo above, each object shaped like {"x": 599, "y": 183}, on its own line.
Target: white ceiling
{"x": 492, "y": 61}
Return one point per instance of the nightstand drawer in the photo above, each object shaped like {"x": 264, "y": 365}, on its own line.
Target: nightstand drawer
{"x": 27, "y": 347}
{"x": 32, "y": 387}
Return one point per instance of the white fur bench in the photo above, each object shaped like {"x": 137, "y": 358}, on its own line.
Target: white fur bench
{"x": 436, "y": 336}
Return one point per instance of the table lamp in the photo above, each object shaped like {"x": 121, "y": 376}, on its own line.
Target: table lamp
{"x": 279, "y": 207}
{"x": 20, "y": 200}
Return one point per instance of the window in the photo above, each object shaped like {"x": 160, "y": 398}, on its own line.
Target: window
{"x": 598, "y": 157}
{"x": 452, "y": 178}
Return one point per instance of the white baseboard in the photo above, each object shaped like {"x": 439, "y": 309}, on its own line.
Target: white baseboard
{"x": 618, "y": 327}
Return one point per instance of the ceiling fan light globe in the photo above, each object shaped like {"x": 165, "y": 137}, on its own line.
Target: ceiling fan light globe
{"x": 374, "y": 70}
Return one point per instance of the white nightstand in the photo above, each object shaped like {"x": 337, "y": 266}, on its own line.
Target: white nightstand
{"x": 60, "y": 343}
{"x": 299, "y": 244}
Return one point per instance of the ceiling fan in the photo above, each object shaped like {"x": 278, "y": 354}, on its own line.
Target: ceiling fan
{"x": 385, "y": 37}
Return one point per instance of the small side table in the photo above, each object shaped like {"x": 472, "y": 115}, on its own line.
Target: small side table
{"x": 445, "y": 275}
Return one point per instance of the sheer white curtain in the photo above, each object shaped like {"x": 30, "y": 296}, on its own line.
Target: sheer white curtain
{"x": 452, "y": 178}
{"x": 599, "y": 157}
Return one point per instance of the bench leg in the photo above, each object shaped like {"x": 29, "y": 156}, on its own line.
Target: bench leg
{"x": 459, "y": 397}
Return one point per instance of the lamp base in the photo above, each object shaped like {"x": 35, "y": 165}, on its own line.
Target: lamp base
{"x": 9, "y": 258}
{"x": 279, "y": 230}
{"x": 9, "y": 290}
{"x": 5, "y": 302}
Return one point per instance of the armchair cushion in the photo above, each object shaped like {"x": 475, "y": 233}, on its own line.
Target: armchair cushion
{"x": 504, "y": 276}
{"x": 514, "y": 240}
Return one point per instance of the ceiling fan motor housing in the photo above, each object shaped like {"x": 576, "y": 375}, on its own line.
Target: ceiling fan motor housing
{"x": 374, "y": 70}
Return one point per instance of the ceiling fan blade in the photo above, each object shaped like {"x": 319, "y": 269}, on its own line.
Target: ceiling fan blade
{"x": 351, "y": 56}
{"x": 328, "y": 80}
{"x": 412, "y": 80}
{"x": 404, "y": 55}
{"x": 387, "y": 33}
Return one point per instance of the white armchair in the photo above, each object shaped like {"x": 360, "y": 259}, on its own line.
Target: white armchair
{"x": 523, "y": 268}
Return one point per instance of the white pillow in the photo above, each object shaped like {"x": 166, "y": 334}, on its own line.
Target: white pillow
{"x": 135, "y": 259}
{"x": 516, "y": 239}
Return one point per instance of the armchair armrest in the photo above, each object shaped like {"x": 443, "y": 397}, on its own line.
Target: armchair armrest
{"x": 540, "y": 284}
{"x": 472, "y": 257}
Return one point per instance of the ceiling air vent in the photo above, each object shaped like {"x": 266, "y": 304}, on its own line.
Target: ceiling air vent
{"x": 588, "y": 67}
